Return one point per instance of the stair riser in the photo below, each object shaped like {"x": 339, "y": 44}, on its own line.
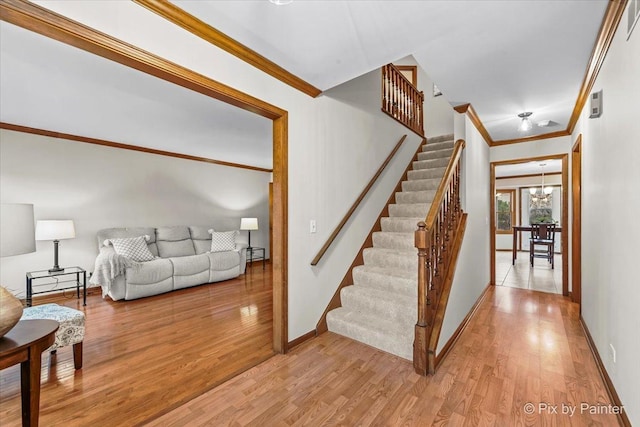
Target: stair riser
{"x": 385, "y": 259}
{"x": 412, "y": 197}
{"x": 421, "y": 184}
{"x": 428, "y": 164}
{"x": 436, "y": 154}
{"x": 413, "y": 210}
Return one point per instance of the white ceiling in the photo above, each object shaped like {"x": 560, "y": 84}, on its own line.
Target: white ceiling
{"x": 53, "y": 86}
{"x": 504, "y": 57}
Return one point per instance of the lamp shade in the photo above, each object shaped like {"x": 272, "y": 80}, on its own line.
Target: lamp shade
{"x": 249, "y": 224}
{"x": 16, "y": 229}
{"x": 55, "y": 230}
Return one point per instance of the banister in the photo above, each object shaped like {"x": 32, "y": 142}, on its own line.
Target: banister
{"x": 401, "y": 100}
{"x": 438, "y": 239}
{"x": 350, "y": 212}
{"x": 448, "y": 174}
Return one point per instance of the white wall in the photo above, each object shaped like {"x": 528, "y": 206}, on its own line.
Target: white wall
{"x": 100, "y": 187}
{"x": 472, "y": 272}
{"x": 610, "y": 226}
{"x": 438, "y": 113}
{"x": 335, "y": 147}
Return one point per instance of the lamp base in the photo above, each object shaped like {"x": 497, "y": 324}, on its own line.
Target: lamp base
{"x": 56, "y": 269}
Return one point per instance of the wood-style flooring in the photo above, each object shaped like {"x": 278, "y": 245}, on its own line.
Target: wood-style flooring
{"x": 157, "y": 361}
{"x": 145, "y": 357}
{"x": 521, "y": 347}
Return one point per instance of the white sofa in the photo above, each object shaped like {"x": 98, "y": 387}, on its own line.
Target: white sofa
{"x": 184, "y": 260}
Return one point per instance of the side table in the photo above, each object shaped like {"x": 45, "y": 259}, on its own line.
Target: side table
{"x": 253, "y": 256}
{"x": 24, "y": 344}
{"x": 67, "y": 274}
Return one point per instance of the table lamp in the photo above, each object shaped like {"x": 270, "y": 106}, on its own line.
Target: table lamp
{"x": 55, "y": 230}
{"x": 16, "y": 238}
{"x": 249, "y": 224}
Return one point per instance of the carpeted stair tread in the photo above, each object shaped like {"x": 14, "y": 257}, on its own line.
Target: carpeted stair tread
{"x": 391, "y": 258}
{"x": 426, "y": 173}
{"x": 433, "y": 163}
{"x": 400, "y": 223}
{"x": 376, "y": 332}
{"x": 380, "y": 303}
{"x": 435, "y": 154}
{"x": 386, "y": 279}
{"x": 426, "y": 196}
{"x": 409, "y": 209}
{"x": 440, "y": 138}
{"x": 437, "y": 146}
{"x": 393, "y": 240}
{"x": 421, "y": 184}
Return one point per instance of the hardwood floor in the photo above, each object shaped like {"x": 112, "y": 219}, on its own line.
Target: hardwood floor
{"x": 145, "y": 357}
{"x": 520, "y": 347}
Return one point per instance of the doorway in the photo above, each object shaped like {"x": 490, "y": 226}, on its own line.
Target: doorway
{"x": 514, "y": 174}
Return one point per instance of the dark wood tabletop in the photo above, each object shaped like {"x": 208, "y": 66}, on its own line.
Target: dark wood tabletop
{"x": 24, "y": 344}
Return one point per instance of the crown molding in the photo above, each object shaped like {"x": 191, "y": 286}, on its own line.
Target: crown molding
{"x": 201, "y": 29}
{"x": 555, "y": 134}
{"x": 95, "y": 141}
{"x": 612, "y": 18}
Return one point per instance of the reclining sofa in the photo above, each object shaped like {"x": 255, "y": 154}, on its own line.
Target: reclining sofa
{"x": 183, "y": 257}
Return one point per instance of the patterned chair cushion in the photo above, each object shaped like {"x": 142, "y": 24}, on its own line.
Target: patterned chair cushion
{"x": 71, "y": 330}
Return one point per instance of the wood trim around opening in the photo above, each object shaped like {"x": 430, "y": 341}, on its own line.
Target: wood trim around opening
{"x": 531, "y": 175}
{"x": 413, "y": 69}
{"x": 49, "y": 24}
{"x": 78, "y": 138}
{"x": 183, "y": 19}
{"x": 564, "y": 239}
{"x": 576, "y": 222}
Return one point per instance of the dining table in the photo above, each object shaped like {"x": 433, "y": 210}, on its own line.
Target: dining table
{"x": 516, "y": 232}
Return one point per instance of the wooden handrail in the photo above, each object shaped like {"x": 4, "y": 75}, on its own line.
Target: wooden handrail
{"x": 364, "y": 192}
{"x": 442, "y": 188}
{"x": 401, "y": 99}
{"x": 437, "y": 240}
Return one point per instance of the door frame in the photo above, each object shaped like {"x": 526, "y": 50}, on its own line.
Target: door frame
{"x": 576, "y": 222}
{"x": 564, "y": 240}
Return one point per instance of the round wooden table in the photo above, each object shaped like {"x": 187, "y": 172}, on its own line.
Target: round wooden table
{"x": 24, "y": 344}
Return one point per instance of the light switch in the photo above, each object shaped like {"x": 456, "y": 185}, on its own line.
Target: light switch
{"x": 312, "y": 226}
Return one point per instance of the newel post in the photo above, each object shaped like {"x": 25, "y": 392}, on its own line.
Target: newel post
{"x": 421, "y": 328}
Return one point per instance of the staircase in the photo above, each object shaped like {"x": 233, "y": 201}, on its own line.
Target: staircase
{"x": 380, "y": 308}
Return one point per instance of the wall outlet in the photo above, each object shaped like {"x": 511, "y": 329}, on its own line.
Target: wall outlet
{"x": 312, "y": 226}
{"x": 612, "y": 352}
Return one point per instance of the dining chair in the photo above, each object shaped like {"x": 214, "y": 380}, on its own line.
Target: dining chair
{"x": 542, "y": 235}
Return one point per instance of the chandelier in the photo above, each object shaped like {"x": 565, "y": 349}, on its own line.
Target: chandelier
{"x": 541, "y": 193}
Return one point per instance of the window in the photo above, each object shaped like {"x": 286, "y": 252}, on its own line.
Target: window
{"x": 505, "y": 210}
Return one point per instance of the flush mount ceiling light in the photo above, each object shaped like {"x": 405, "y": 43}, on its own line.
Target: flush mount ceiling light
{"x": 281, "y": 2}
{"x": 526, "y": 124}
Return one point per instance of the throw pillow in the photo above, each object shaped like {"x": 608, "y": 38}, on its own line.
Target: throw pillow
{"x": 223, "y": 241}
{"x": 134, "y": 248}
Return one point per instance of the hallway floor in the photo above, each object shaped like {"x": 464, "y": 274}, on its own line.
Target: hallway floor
{"x": 521, "y": 275}
{"x": 522, "y": 356}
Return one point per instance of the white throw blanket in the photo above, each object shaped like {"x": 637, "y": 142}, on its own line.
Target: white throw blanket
{"x": 108, "y": 266}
